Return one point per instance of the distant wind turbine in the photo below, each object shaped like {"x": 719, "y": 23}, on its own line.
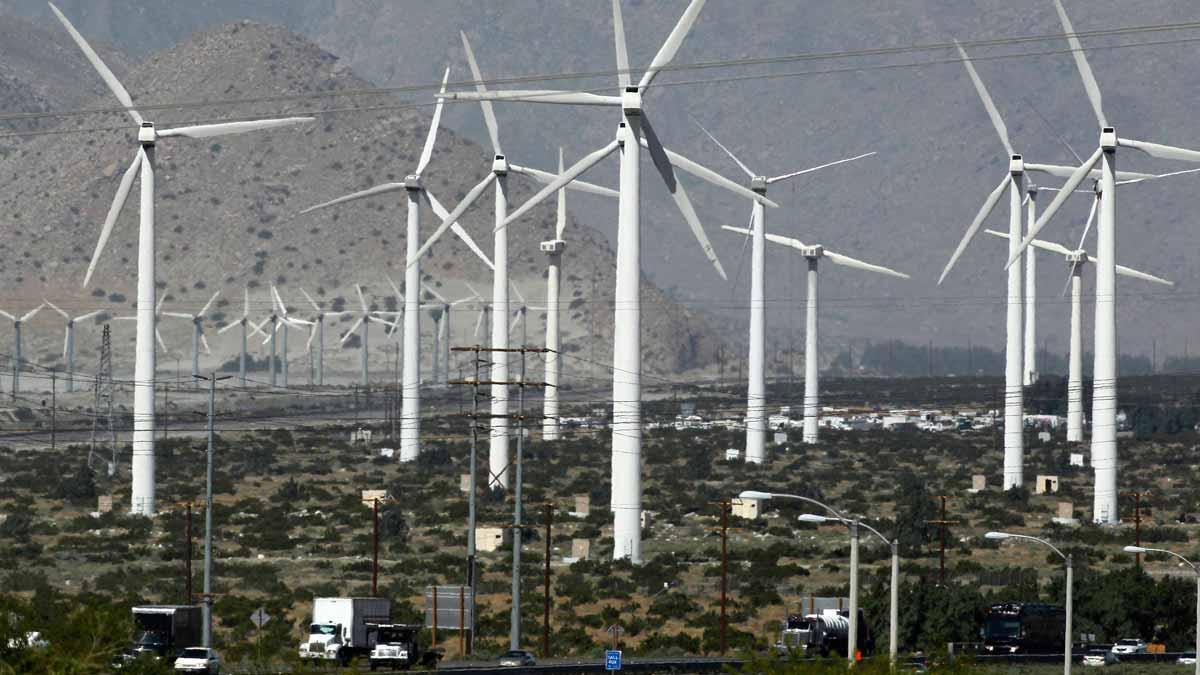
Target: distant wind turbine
{"x": 248, "y": 331}
{"x": 318, "y": 330}
{"x": 69, "y": 339}
{"x": 18, "y": 360}
{"x": 198, "y": 339}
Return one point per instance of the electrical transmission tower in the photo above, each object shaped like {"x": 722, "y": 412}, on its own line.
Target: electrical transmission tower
{"x": 102, "y": 410}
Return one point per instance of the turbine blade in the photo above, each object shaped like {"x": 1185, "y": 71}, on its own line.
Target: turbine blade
{"x": 231, "y": 128}
{"x": 587, "y": 162}
{"x": 847, "y": 261}
{"x": 1059, "y": 199}
{"x": 992, "y": 111}
{"x": 517, "y": 291}
{"x": 989, "y": 205}
{"x": 489, "y": 115}
{"x": 362, "y": 300}
{"x": 1067, "y": 171}
{"x": 623, "y": 74}
{"x": 535, "y": 96}
{"x": 546, "y": 177}
{"x": 353, "y": 328}
{"x": 1128, "y": 272}
{"x": 362, "y": 194}
{"x": 395, "y": 288}
{"x": 1087, "y": 226}
{"x": 560, "y": 211}
{"x": 478, "y": 323}
{"x": 158, "y": 305}
{"x": 204, "y": 344}
{"x": 179, "y": 315}
{"x": 786, "y": 176}
{"x": 33, "y": 312}
{"x": 787, "y": 241}
{"x": 1161, "y": 151}
{"x": 8, "y": 316}
{"x": 433, "y": 291}
{"x": 431, "y": 138}
{"x": 55, "y": 307}
{"x": 246, "y": 306}
{"x": 278, "y": 300}
{"x": 1081, "y": 62}
{"x": 111, "y": 80}
{"x": 1070, "y": 274}
{"x": 85, "y": 317}
{"x": 228, "y": 326}
{"x": 114, "y": 212}
{"x": 66, "y": 343}
{"x": 158, "y": 336}
{"x": 671, "y": 46}
{"x": 312, "y": 302}
{"x": 712, "y": 176}
{"x": 663, "y": 164}
{"x": 721, "y": 145}
{"x": 512, "y": 326}
{"x": 1037, "y": 243}
{"x": 258, "y": 329}
{"x": 312, "y": 333}
{"x": 458, "y": 230}
{"x": 203, "y": 311}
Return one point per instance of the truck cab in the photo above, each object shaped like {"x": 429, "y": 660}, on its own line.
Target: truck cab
{"x": 324, "y": 642}
{"x": 395, "y": 646}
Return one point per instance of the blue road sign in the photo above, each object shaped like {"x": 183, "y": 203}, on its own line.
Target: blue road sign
{"x": 612, "y": 659}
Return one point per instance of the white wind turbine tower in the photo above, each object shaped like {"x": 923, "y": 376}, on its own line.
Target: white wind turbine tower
{"x": 18, "y": 360}
{"x": 414, "y": 187}
{"x": 498, "y": 454}
{"x": 441, "y": 354}
{"x": 1104, "y": 390}
{"x": 756, "y": 397}
{"x": 364, "y": 320}
{"x": 248, "y": 331}
{"x": 69, "y": 339}
{"x": 814, "y": 253}
{"x": 633, "y": 132}
{"x": 553, "y": 370}
{"x": 1077, "y": 259}
{"x": 1014, "y": 370}
{"x": 287, "y": 321}
{"x": 318, "y": 330}
{"x": 198, "y": 339}
{"x": 144, "y": 363}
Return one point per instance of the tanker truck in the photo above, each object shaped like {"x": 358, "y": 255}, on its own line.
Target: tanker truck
{"x": 824, "y": 633}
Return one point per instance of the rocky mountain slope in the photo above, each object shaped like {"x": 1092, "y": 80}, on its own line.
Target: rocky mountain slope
{"x": 227, "y": 210}
{"x": 937, "y": 154}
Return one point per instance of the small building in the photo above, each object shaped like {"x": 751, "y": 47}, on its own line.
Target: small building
{"x": 464, "y": 483}
{"x": 732, "y": 454}
{"x": 647, "y": 518}
{"x": 360, "y": 435}
{"x": 1046, "y": 485}
{"x": 1077, "y": 459}
{"x": 369, "y": 497}
{"x": 978, "y": 483}
{"x": 1065, "y": 514}
{"x": 387, "y": 452}
{"x": 489, "y": 539}
{"x": 104, "y": 504}
{"x": 583, "y": 506}
{"x": 746, "y": 508}
{"x": 581, "y": 549}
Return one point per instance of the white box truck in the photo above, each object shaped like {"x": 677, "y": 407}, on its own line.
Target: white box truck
{"x": 339, "y": 630}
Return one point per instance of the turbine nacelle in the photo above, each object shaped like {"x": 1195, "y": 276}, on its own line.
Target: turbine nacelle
{"x": 1078, "y": 257}
{"x": 553, "y": 247}
{"x": 1108, "y": 139}
{"x": 631, "y": 101}
{"x": 500, "y": 165}
{"x": 759, "y": 184}
{"x": 1031, "y": 189}
{"x": 414, "y": 182}
{"x": 812, "y": 252}
{"x": 1016, "y": 165}
{"x": 146, "y": 133}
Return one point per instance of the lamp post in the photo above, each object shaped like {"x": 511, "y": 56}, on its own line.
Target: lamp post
{"x": 852, "y": 638}
{"x": 1070, "y": 580}
{"x": 1196, "y": 570}
{"x": 893, "y": 611}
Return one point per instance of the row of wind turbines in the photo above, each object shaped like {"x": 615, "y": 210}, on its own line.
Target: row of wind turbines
{"x": 633, "y": 134}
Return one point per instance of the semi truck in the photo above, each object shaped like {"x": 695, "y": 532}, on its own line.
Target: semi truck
{"x": 162, "y": 631}
{"x": 825, "y": 633}
{"x": 397, "y": 647}
{"x": 341, "y": 628}
{"x": 1024, "y": 628}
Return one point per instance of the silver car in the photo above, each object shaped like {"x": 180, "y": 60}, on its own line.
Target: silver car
{"x": 517, "y": 658}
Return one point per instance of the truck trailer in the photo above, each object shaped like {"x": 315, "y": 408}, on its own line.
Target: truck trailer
{"x": 162, "y": 631}
{"x": 825, "y": 633}
{"x": 342, "y": 628}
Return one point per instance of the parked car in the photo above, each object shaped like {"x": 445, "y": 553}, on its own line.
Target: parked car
{"x": 517, "y": 658}
{"x": 198, "y": 660}
{"x": 1186, "y": 659}
{"x": 1098, "y": 656}
{"x": 1129, "y": 646}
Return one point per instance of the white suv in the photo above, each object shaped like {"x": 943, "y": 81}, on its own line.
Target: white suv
{"x": 1129, "y": 646}
{"x": 198, "y": 660}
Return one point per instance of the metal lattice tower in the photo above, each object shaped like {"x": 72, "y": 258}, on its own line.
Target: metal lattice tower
{"x": 102, "y": 412}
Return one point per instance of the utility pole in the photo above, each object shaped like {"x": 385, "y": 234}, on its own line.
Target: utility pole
{"x": 208, "y": 507}
{"x": 375, "y": 551}
{"x": 188, "y": 555}
{"x": 515, "y": 616}
{"x": 546, "y": 583}
{"x": 726, "y": 506}
{"x": 53, "y": 408}
{"x": 472, "y": 480}
{"x": 1137, "y": 521}
{"x": 942, "y": 523}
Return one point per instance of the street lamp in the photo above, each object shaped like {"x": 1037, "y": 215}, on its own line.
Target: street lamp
{"x": 1196, "y": 570}
{"x": 893, "y": 612}
{"x": 1070, "y": 579}
{"x": 852, "y": 638}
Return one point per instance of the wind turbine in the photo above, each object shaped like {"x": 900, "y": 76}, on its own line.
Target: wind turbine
{"x": 441, "y": 354}
{"x": 498, "y": 454}
{"x": 198, "y": 339}
{"x": 69, "y": 339}
{"x": 144, "y": 363}
{"x": 318, "y": 330}
{"x": 633, "y": 133}
{"x": 1104, "y": 391}
{"x": 248, "y": 330}
{"x": 1014, "y": 369}
{"x": 814, "y": 253}
{"x": 366, "y": 316}
{"x": 288, "y": 321}
{"x": 1077, "y": 259}
{"x": 17, "y": 359}
{"x": 414, "y": 187}
{"x": 756, "y": 403}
